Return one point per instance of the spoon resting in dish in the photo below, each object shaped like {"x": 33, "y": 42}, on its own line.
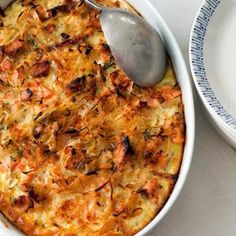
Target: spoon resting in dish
{"x": 136, "y": 46}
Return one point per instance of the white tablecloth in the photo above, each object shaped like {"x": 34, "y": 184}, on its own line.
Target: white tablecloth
{"x": 207, "y": 205}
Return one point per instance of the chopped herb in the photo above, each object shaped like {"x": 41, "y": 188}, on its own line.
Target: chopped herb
{"x": 143, "y": 192}
{"x": 146, "y": 135}
{"x": 65, "y": 36}
{"x": 127, "y": 145}
{"x": 77, "y": 83}
{"x": 20, "y": 152}
{"x": 66, "y": 8}
{"x": 88, "y": 50}
{"x": 108, "y": 65}
{"x": 31, "y": 40}
{"x": 29, "y": 92}
{"x": 92, "y": 172}
{"x": 147, "y": 155}
{"x": 160, "y": 186}
{"x": 38, "y": 115}
{"x": 105, "y": 46}
{"x": 12, "y": 158}
{"x": 3, "y": 83}
{"x": 72, "y": 131}
{"x": 80, "y": 166}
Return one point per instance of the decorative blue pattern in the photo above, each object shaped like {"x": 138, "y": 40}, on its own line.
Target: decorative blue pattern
{"x": 196, "y": 51}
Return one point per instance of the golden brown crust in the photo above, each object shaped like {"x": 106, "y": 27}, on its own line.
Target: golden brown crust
{"x": 83, "y": 150}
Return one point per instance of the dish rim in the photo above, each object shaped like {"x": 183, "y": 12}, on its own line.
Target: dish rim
{"x": 197, "y": 65}
{"x": 180, "y": 68}
{"x": 184, "y": 81}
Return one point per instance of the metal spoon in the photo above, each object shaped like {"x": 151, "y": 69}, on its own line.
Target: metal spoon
{"x": 136, "y": 46}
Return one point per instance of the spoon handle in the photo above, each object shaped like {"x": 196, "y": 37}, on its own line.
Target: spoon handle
{"x": 94, "y": 5}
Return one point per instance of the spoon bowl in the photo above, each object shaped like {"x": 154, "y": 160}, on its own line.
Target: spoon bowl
{"x": 136, "y": 46}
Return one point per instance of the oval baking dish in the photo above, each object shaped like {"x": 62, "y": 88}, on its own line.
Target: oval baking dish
{"x": 152, "y": 16}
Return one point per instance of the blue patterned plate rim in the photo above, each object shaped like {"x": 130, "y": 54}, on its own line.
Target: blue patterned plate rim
{"x": 197, "y": 63}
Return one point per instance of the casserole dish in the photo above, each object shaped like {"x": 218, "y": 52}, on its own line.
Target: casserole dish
{"x": 188, "y": 104}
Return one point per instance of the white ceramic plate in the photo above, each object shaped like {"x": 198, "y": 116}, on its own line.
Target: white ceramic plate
{"x": 153, "y": 17}
{"x": 212, "y": 59}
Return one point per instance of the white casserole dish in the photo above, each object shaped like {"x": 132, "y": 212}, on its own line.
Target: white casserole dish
{"x": 153, "y": 17}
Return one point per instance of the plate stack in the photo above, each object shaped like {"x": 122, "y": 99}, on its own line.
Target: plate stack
{"x": 212, "y": 59}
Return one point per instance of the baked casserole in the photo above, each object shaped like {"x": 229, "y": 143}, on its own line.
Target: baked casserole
{"x": 83, "y": 150}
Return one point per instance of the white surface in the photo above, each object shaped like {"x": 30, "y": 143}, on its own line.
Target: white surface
{"x": 219, "y": 54}
{"x": 207, "y": 205}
